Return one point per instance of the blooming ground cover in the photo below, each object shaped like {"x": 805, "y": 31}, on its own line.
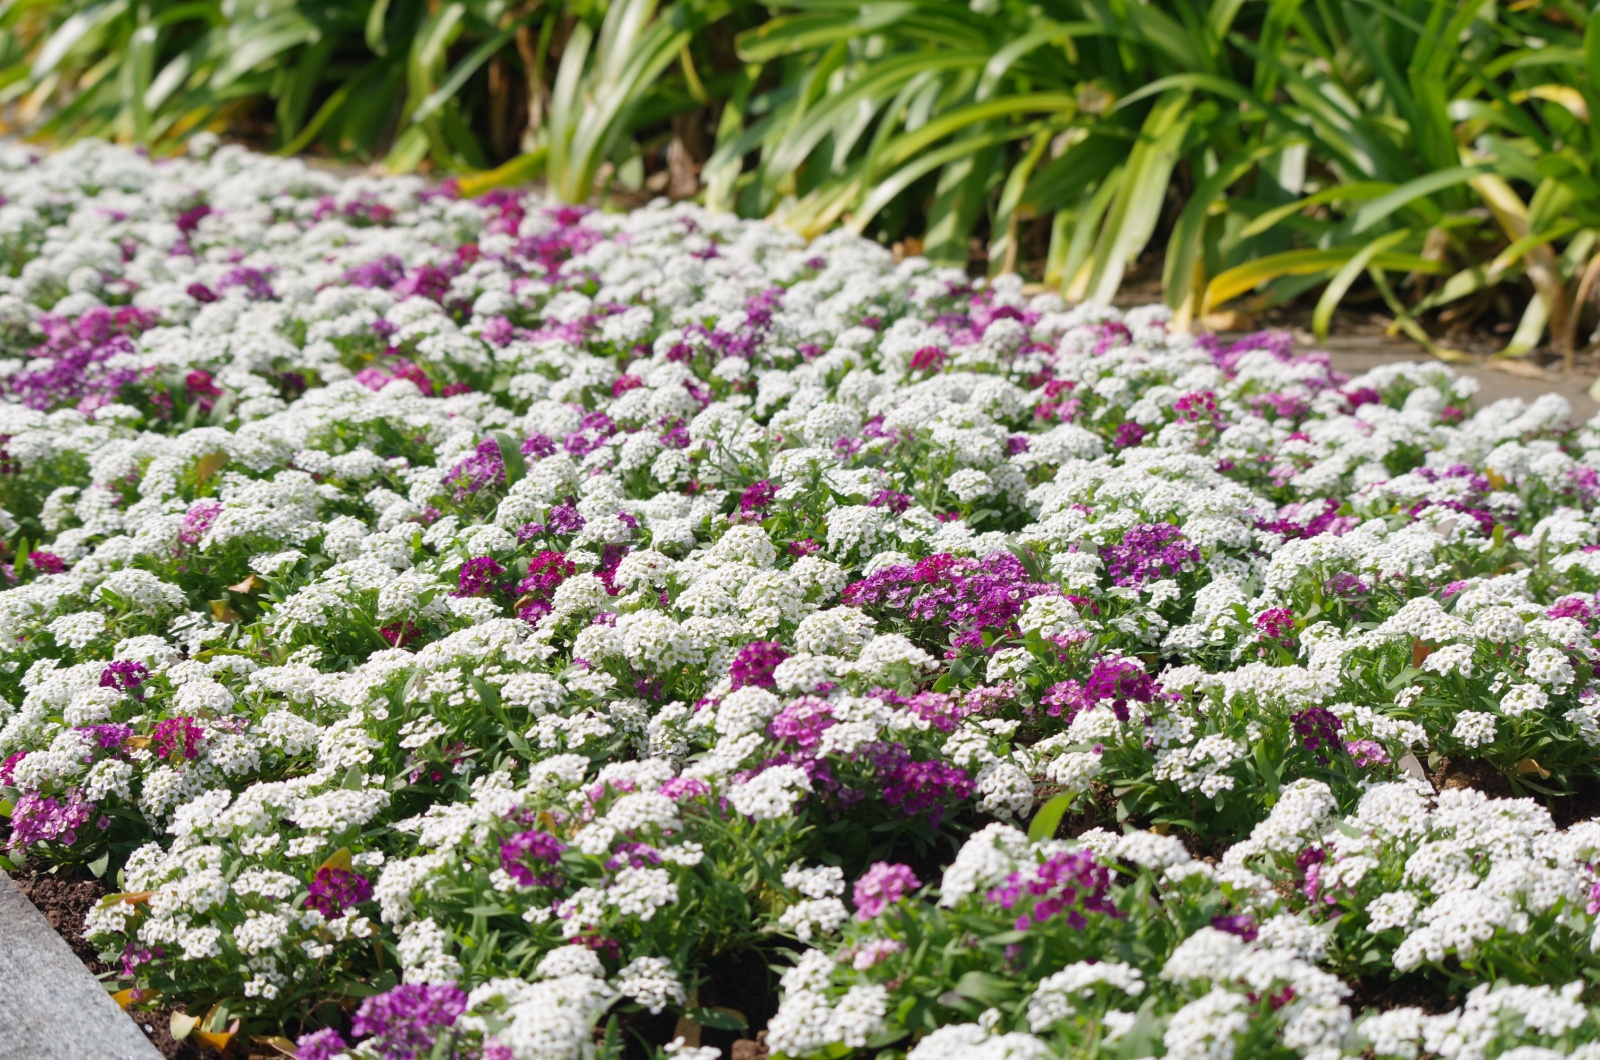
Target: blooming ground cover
{"x": 465, "y": 628}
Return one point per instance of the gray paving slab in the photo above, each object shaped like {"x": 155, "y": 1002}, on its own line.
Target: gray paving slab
{"x": 1517, "y": 378}
{"x": 51, "y": 1008}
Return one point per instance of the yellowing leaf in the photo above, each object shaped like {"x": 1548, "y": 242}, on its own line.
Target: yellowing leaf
{"x": 1420, "y": 652}
{"x": 1530, "y": 765}
{"x": 222, "y": 611}
{"x": 275, "y": 1041}
{"x": 1565, "y": 95}
{"x": 339, "y": 859}
{"x": 126, "y": 999}
{"x": 219, "y": 1040}
{"x": 1497, "y": 481}
{"x": 128, "y": 898}
{"x": 251, "y": 584}
{"x": 136, "y": 743}
{"x": 517, "y": 171}
{"x": 209, "y": 465}
{"x": 182, "y": 1024}
{"x": 1227, "y": 320}
{"x": 211, "y": 1033}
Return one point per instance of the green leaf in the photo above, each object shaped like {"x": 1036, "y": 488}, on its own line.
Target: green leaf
{"x": 1358, "y": 191}
{"x": 1346, "y": 275}
{"x": 1030, "y": 562}
{"x": 985, "y": 987}
{"x": 67, "y": 36}
{"x": 1269, "y": 771}
{"x": 1044, "y": 823}
{"x": 1144, "y": 1037}
{"x": 1132, "y": 218}
{"x": 1188, "y": 235}
{"x": 222, "y": 409}
{"x": 266, "y": 41}
{"x": 409, "y": 149}
{"x": 718, "y": 1019}
{"x": 374, "y": 27}
{"x": 888, "y": 1036}
{"x": 99, "y": 865}
{"x": 1410, "y": 192}
{"x": 1005, "y": 938}
{"x": 487, "y": 693}
{"x": 1236, "y": 281}
{"x": 793, "y": 34}
{"x": 465, "y": 69}
{"x": 511, "y": 456}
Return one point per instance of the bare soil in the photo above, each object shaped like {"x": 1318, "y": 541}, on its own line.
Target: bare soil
{"x": 65, "y": 901}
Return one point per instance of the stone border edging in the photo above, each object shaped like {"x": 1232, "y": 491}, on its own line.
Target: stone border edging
{"x": 51, "y": 1008}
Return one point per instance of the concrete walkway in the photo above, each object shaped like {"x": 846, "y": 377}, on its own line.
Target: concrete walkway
{"x": 1497, "y": 379}
{"x": 51, "y": 1008}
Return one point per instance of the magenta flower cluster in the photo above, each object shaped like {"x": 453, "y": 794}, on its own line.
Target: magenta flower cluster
{"x": 180, "y": 735}
{"x": 477, "y": 577}
{"x": 755, "y": 664}
{"x": 532, "y": 846}
{"x": 1114, "y": 680}
{"x": 333, "y": 890}
{"x": 1318, "y": 729}
{"x": 38, "y": 818}
{"x": 1071, "y": 883}
{"x": 881, "y": 886}
{"x": 126, "y": 674}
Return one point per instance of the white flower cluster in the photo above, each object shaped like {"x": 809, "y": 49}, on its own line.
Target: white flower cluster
{"x": 544, "y": 608}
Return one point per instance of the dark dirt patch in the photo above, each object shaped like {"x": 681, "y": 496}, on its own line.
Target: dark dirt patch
{"x": 1581, "y": 805}
{"x": 65, "y": 901}
{"x": 1380, "y": 994}
{"x": 157, "y": 1026}
{"x": 1472, "y": 773}
{"x": 644, "y": 1032}
{"x": 744, "y": 982}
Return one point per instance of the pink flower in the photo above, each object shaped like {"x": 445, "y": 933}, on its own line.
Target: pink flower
{"x": 881, "y": 886}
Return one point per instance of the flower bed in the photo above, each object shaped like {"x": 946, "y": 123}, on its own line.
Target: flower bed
{"x": 466, "y": 628}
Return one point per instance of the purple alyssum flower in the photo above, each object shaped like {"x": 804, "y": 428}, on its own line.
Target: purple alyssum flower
{"x": 1148, "y": 552}
{"x": 126, "y": 674}
{"x": 324, "y": 1044}
{"x": 1318, "y": 729}
{"x": 39, "y": 818}
{"x": 1070, "y": 882}
{"x": 485, "y": 467}
{"x": 532, "y": 846}
{"x": 405, "y": 1023}
{"x": 755, "y": 664}
{"x": 477, "y": 576}
{"x": 333, "y": 890}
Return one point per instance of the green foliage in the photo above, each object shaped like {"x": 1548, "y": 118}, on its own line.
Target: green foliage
{"x": 1433, "y": 155}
